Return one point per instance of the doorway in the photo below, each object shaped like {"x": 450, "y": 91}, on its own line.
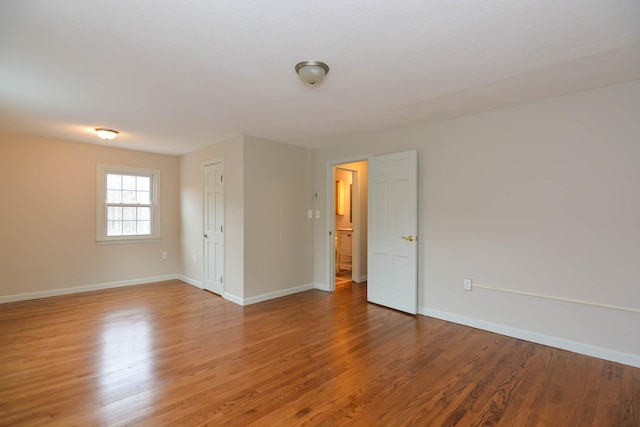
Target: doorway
{"x": 348, "y": 213}
{"x": 390, "y": 242}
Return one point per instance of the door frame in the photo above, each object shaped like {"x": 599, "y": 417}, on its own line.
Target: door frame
{"x": 331, "y": 220}
{"x": 205, "y": 260}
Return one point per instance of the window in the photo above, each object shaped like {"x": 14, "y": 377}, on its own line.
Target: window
{"x": 128, "y": 207}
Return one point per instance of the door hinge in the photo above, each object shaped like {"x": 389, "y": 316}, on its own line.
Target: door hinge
{"x": 221, "y": 228}
{"x": 221, "y": 178}
{"x": 220, "y": 279}
{"x": 330, "y": 233}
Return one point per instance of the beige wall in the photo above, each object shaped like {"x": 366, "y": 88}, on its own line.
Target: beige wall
{"x": 48, "y": 234}
{"x": 269, "y": 239}
{"x": 48, "y": 217}
{"x": 192, "y": 211}
{"x": 541, "y": 197}
{"x": 278, "y": 233}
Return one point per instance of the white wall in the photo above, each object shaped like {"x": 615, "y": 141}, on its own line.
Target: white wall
{"x": 48, "y": 219}
{"x": 541, "y": 197}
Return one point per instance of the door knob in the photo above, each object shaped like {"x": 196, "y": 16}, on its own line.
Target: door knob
{"x": 409, "y": 238}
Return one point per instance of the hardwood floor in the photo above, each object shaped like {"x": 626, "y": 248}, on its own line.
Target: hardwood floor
{"x": 343, "y": 278}
{"x": 171, "y": 354}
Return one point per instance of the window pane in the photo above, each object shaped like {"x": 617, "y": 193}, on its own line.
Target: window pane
{"x": 114, "y": 196}
{"x": 128, "y": 197}
{"x": 114, "y": 182}
{"x": 114, "y": 228}
{"x": 129, "y": 213}
{"x": 114, "y": 213}
{"x": 144, "y": 183}
{"x": 144, "y": 227}
{"x": 144, "y": 197}
{"x": 128, "y": 182}
{"x": 128, "y": 228}
{"x": 144, "y": 214}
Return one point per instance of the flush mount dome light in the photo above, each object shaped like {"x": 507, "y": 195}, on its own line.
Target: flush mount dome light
{"x": 106, "y": 133}
{"x": 312, "y": 72}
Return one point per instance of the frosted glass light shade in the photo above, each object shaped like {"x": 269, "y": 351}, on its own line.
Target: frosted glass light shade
{"x": 106, "y": 133}
{"x": 312, "y": 72}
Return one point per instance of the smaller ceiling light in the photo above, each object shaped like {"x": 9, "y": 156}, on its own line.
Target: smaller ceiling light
{"x": 106, "y": 133}
{"x": 312, "y": 72}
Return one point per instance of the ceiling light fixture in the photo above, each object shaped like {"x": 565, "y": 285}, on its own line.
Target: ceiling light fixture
{"x": 312, "y": 72}
{"x": 106, "y": 133}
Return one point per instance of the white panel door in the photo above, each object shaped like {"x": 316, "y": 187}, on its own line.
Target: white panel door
{"x": 214, "y": 227}
{"x": 393, "y": 230}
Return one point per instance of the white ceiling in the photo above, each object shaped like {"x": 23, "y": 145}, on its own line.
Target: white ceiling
{"x": 174, "y": 76}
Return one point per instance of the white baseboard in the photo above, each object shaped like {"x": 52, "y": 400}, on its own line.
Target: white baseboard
{"x": 233, "y": 298}
{"x": 253, "y": 300}
{"x": 86, "y": 288}
{"x": 321, "y": 286}
{"x": 268, "y": 296}
{"x": 190, "y": 281}
{"x": 576, "y": 347}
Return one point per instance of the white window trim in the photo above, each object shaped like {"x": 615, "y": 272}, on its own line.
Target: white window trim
{"x": 101, "y": 206}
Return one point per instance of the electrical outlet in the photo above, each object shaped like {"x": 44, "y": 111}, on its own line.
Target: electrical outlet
{"x": 317, "y": 214}
{"x": 310, "y": 213}
{"x": 165, "y": 255}
{"x": 467, "y": 284}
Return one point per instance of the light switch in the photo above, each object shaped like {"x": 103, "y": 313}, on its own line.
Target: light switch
{"x": 317, "y": 214}
{"x": 310, "y": 213}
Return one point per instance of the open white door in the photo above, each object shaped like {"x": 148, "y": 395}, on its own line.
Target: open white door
{"x": 214, "y": 227}
{"x": 393, "y": 230}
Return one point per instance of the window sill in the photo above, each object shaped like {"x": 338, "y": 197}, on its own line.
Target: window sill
{"x": 124, "y": 241}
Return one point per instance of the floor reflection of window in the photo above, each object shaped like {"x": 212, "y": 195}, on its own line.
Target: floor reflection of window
{"x": 126, "y": 362}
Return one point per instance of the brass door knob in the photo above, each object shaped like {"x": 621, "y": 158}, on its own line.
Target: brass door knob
{"x": 409, "y": 238}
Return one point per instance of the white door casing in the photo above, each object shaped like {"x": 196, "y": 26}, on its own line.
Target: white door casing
{"x": 393, "y": 231}
{"x": 214, "y": 227}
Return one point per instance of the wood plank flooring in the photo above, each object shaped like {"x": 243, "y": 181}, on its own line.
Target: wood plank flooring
{"x": 171, "y": 354}
{"x": 343, "y": 278}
